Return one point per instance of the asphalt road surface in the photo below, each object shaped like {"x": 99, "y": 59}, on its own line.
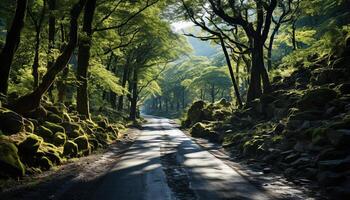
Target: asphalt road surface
{"x": 165, "y": 164}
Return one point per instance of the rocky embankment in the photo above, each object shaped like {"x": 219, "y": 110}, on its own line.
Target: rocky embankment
{"x": 48, "y": 136}
{"x": 301, "y": 129}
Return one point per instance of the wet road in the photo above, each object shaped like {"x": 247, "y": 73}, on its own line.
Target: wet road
{"x": 165, "y": 164}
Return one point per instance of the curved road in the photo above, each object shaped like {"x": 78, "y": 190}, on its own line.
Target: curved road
{"x": 165, "y": 164}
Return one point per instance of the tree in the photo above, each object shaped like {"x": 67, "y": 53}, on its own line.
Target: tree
{"x": 31, "y": 101}
{"x": 13, "y": 38}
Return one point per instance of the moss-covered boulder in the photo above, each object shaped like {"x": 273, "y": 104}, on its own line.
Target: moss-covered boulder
{"x": 51, "y": 152}
{"x": 70, "y": 149}
{"x": 38, "y": 113}
{"x": 30, "y": 145}
{"x": 316, "y": 98}
{"x": 54, "y": 118}
{"x": 83, "y": 144}
{"x": 45, "y": 133}
{"x": 73, "y": 129}
{"x": 195, "y": 113}
{"x": 94, "y": 144}
{"x": 28, "y": 126}
{"x": 307, "y": 115}
{"x": 344, "y": 88}
{"x": 45, "y": 163}
{"x": 10, "y": 122}
{"x": 10, "y": 164}
{"x": 59, "y": 139}
{"x": 54, "y": 127}
{"x": 201, "y": 130}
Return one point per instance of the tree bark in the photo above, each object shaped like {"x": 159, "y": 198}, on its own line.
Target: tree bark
{"x": 31, "y": 101}
{"x": 133, "y": 103}
{"x": 83, "y": 60}
{"x": 52, "y": 32}
{"x": 234, "y": 83}
{"x": 269, "y": 49}
{"x": 13, "y": 38}
{"x": 35, "y": 66}
{"x": 123, "y": 84}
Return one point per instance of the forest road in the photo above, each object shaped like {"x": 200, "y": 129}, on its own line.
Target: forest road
{"x": 165, "y": 164}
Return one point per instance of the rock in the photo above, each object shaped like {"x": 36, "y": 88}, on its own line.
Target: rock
{"x": 73, "y": 130}
{"x": 30, "y": 145}
{"x": 195, "y": 112}
{"x": 83, "y": 144}
{"x": 267, "y": 170}
{"x": 339, "y": 138}
{"x": 59, "y": 139}
{"x": 328, "y": 178}
{"x": 45, "y": 163}
{"x": 301, "y": 162}
{"x": 335, "y": 165}
{"x": 54, "y": 127}
{"x": 291, "y": 157}
{"x": 28, "y": 126}
{"x": 54, "y": 118}
{"x": 10, "y": 164}
{"x": 39, "y": 113}
{"x": 319, "y": 136}
{"x": 316, "y": 98}
{"x": 10, "y": 122}
{"x": 344, "y": 88}
{"x": 45, "y": 133}
{"x": 307, "y": 115}
{"x": 94, "y": 144}
{"x": 70, "y": 149}
{"x": 331, "y": 153}
{"x": 54, "y": 110}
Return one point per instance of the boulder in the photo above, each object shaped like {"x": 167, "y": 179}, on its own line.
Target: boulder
{"x": 45, "y": 133}
{"x": 73, "y": 130}
{"x": 51, "y": 117}
{"x": 30, "y": 145}
{"x": 195, "y": 112}
{"x": 38, "y": 113}
{"x": 339, "y": 138}
{"x": 45, "y": 163}
{"x": 307, "y": 115}
{"x": 59, "y": 139}
{"x": 10, "y": 164}
{"x": 316, "y": 98}
{"x": 344, "y": 88}
{"x": 335, "y": 165}
{"x": 83, "y": 144}
{"x": 10, "y": 122}
{"x": 54, "y": 127}
{"x": 328, "y": 178}
{"x": 28, "y": 126}
{"x": 70, "y": 149}
{"x": 51, "y": 152}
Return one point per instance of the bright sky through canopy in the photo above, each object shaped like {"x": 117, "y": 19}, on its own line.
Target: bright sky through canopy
{"x": 177, "y": 26}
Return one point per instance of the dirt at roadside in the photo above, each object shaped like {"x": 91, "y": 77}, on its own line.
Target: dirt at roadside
{"x": 73, "y": 180}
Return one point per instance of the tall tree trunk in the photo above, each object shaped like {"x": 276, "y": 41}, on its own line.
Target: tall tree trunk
{"x": 183, "y": 97}
{"x": 133, "y": 105}
{"x": 35, "y": 66}
{"x": 269, "y": 49}
{"x": 61, "y": 86}
{"x": 123, "y": 84}
{"x": 234, "y": 83}
{"x": 258, "y": 73}
{"x": 212, "y": 93}
{"x": 13, "y": 38}
{"x": 31, "y": 101}
{"x": 83, "y": 60}
{"x": 52, "y": 32}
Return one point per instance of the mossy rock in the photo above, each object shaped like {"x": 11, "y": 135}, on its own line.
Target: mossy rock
{"x": 195, "y": 112}
{"x": 10, "y": 122}
{"x": 54, "y": 127}
{"x": 45, "y": 163}
{"x": 54, "y": 118}
{"x": 70, "y": 149}
{"x": 66, "y": 117}
{"x": 30, "y": 145}
{"x": 73, "y": 130}
{"x": 59, "y": 139}
{"x": 38, "y": 113}
{"x": 253, "y": 146}
{"x": 45, "y": 133}
{"x": 94, "y": 144}
{"x": 83, "y": 144}
{"x": 28, "y": 126}
{"x": 51, "y": 152}
{"x": 10, "y": 164}
{"x": 54, "y": 110}
{"x": 319, "y": 136}
{"x": 316, "y": 98}
{"x": 310, "y": 115}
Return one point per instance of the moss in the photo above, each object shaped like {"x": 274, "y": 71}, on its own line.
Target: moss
{"x": 54, "y": 127}
{"x": 319, "y": 136}
{"x": 10, "y": 164}
{"x": 70, "y": 149}
{"x": 51, "y": 152}
{"x": 83, "y": 144}
{"x": 94, "y": 144}
{"x": 54, "y": 118}
{"x": 45, "y": 163}
{"x": 29, "y": 126}
{"x": 30, "y": 145}
{"x": 10, "y": 122}
{"x": 316, "y": 98}
{"x": 46, "y": 133}
{"x": 73, "y": 130}
{"x": 59, "y": 139}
